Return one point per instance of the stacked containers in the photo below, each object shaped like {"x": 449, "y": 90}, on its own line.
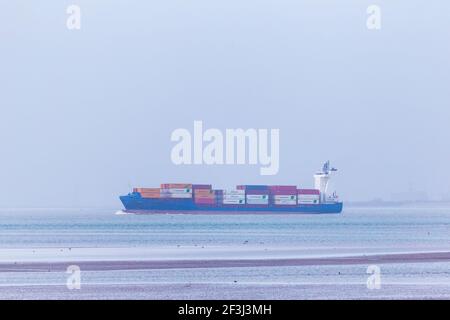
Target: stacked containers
{"x": 201, "y": 186}
{"x": 148, "y": 193}
{"x": 219, "y": 197}
{"x": 256, "y": 195}
{"x": 203, "y": 195}
{"x": 283, "y": 195}
{"x": 308, "y": 196}
{"x": 252, "y": 187}
{"x": 176, "y": 190}
{"x": 231, "y": 197}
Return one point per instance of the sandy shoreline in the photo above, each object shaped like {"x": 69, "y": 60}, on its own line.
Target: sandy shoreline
{"x": 42, "y": 266}
{"x": 234, "y": 291}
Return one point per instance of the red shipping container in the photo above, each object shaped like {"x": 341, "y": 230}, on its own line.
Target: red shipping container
{"x": 283, "y": 188}
{"x": 202, "y": 186}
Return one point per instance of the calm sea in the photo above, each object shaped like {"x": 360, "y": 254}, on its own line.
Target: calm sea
{"x": 24, "y": 232}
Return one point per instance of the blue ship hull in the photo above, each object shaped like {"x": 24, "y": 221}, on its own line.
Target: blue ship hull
{"x": 136, "y": 204}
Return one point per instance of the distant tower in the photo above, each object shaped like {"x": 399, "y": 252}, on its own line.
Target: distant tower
{"x": 321, "y": 180}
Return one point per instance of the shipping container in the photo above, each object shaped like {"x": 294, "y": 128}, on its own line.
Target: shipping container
{"x": 257, "y": 199}
{"x": 257, "y": 192}
{"x": 176, "y": 195}
{"x": 285, "y": 197}
{"x": 202, "y": 186}
{"x": 284, "y": 192}
{"x": 176, "y": 190}
{"x": 307, "y": 197}
{"x": 278, "y": 189}
{"x": 176, "y": 186}
{"x": 285, "y": 202}
{"x": 233, "y": 201}
{"x": 150, "y": 195}
{"x": 233, "y": 192}
{"x": 252, "y": 187}
{"x": 205, "y": 197}
{"x": 204, "y": 192}
{"x": 258, "y": 196}
{"x": 140, "y": 190}
{"x": 232, "y": 197}
{"x": 310, "y": 196}
{"x": 308, "y": 201}
{"x": 262, "y": 203}
{"x": 308, "y": 191}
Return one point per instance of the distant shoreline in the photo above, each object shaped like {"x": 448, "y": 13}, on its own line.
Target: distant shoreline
{"x": 394, "y": 204}
{"x": 224, "y": 263}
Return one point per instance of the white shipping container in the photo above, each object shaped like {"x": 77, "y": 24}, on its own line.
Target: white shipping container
{"x": 234, "y": 196}
{"x": 233, "y": 201}
{"x": 257, "y": 196}
{"x": 234, "y": 192}
{"x": 177, "y": 195}
{"x": 308, "y": 196}
{"x": 286, "y": 202}
{"x": 257, "y": 201}
{"x": 175, "y": 190}
{"x": 312, "y": 201}
{"x": 285, "y": 197}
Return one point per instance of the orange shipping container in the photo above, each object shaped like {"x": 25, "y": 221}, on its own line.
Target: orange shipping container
{"x": 204, "y": 192}
{"x": 147, "y": 190}
{"x": 151, "y": 195}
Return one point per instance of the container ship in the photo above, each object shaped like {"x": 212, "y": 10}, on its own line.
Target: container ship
{"x": 202, "y": 198}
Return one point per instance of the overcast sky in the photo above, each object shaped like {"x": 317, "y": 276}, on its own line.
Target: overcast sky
{"x": 87, "y": 114}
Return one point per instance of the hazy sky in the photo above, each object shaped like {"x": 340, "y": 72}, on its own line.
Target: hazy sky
{"x": 86, "y": 115}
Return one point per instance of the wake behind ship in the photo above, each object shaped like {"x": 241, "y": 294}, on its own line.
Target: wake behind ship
{"x": 201, "y": 198}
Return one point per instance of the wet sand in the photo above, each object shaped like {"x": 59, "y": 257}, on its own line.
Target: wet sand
{"x": 424, "y": 257}
{"x": 233, "y": 291}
